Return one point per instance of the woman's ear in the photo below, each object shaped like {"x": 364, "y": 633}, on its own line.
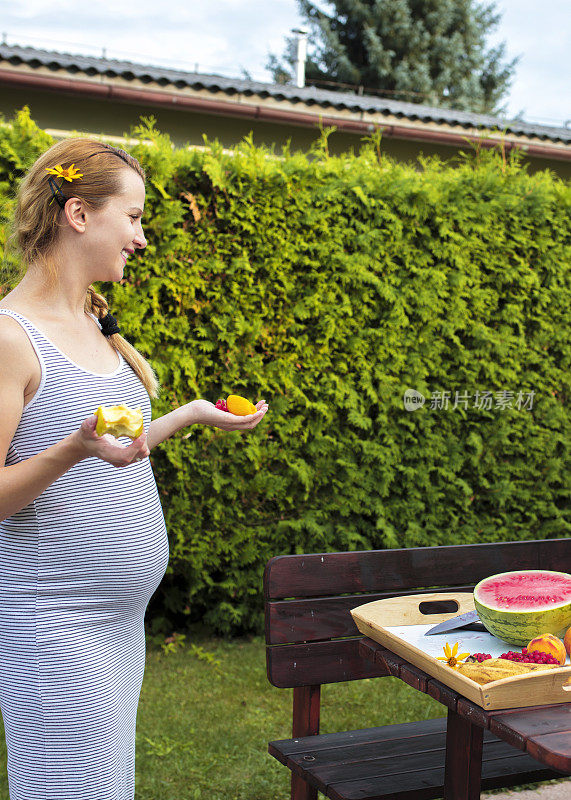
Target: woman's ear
{"x": 74, "y": 210}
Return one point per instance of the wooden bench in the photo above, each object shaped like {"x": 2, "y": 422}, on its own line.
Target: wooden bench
{"x": 311, "y": 640}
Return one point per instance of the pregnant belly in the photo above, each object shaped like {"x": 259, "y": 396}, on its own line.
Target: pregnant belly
{"x": 121, "y": 561}
{"x": 94, "y": 538}
{"x": 77, "y": 563}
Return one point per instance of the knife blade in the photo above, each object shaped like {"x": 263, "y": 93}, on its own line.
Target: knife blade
{"x": 464, "y": 620}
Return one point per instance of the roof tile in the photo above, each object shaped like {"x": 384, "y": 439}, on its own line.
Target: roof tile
{"x": 308, "y": 95}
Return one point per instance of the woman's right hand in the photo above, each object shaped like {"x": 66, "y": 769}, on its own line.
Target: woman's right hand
{"x": 107, "y": 447}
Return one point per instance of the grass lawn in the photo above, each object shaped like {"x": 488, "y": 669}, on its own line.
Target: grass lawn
{"x": 207, "y": 712}
{"x": 218, "y": 721}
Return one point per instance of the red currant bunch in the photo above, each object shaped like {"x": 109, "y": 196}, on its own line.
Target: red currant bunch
{"x": 481, "y": 656}
{"x": 530, "y": 658}
{"x": 221, "y": 404}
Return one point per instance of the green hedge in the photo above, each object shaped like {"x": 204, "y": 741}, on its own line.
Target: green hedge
{"x": 329, "y": 286}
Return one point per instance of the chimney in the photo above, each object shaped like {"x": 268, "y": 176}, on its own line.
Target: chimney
{"x": 301, "y": 56}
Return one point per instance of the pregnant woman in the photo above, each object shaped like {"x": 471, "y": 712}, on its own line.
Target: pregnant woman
{"x": 83, "y": 544}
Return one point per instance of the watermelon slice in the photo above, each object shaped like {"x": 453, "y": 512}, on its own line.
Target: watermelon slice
{"x": 518, "y": 606}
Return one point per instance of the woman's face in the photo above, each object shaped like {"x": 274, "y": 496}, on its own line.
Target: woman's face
{"x": 114, "y": 232}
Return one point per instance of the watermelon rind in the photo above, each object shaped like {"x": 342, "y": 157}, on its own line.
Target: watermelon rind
{"x": 520, "y": 627}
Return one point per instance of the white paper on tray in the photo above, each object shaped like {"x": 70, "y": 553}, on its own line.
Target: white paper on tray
{"x": 468, "y": 641}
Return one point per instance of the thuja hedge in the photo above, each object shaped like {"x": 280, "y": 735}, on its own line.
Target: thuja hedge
{"x": 329, "y": 286}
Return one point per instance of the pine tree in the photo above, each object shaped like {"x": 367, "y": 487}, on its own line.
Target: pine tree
{"x": 422, "y": 51}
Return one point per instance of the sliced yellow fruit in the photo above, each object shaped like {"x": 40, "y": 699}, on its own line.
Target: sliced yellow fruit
{"x": 239, "y": 405}
{"x": 119, "y": 420}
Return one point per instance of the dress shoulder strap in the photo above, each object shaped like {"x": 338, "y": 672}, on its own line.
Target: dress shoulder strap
{"x": 38, "y": 342}
{"x": 37, "y": 338}
{"x": 33, "y": 333}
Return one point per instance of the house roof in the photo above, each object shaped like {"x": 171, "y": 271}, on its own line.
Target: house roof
{"x": 310, "y": 96}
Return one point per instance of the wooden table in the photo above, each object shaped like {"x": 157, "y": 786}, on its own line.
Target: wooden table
{"x": 544, "y": 732}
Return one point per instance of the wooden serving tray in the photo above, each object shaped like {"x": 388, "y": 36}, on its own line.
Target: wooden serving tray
{"x": 399, "y": 624}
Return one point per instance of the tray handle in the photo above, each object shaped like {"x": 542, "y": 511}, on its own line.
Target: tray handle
{"x": 416, "y": 609}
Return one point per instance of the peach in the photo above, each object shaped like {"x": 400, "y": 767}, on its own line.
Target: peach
{"x": 548, "y": 643}
{"x": 567, "y": 641}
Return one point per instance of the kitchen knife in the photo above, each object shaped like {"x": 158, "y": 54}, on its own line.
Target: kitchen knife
{"x": 471, "y": 621}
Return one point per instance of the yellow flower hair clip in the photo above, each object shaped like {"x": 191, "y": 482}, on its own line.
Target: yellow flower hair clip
{"x": 450, "y": 655}
{"x": 68, "y": 174}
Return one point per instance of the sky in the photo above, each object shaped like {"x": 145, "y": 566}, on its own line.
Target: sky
{"x": 228, "y": 37}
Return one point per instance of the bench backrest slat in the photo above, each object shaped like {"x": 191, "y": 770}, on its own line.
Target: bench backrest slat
{"x": 319, "y": 618}
{"x": 321, "y": 574}
{"x": 306, "y": 609}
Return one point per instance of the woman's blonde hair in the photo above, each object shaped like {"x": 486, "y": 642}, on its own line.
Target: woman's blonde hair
{"x": 37, "y": 218}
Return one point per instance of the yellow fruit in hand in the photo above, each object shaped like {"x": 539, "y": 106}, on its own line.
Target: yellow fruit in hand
{"x": 119, "y": 421}
{"x": 239, "y": 405}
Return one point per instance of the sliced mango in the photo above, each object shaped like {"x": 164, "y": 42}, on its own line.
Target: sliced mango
{"x": 239, "y": 405}
{"x": 119, "y": 420}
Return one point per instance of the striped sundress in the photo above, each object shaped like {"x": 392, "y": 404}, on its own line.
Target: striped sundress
{"x": 78, "y": 567}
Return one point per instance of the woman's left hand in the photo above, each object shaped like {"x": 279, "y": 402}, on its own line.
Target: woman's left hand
{"x": 206, "y": 413}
